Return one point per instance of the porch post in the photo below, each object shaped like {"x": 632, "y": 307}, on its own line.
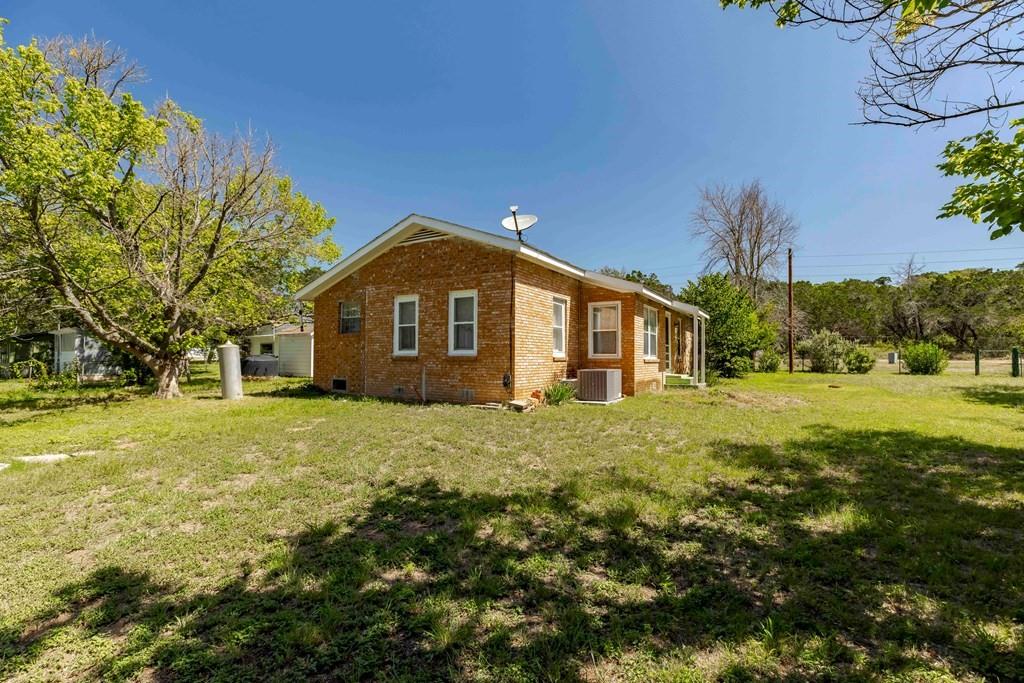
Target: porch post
{"x": 694, "y": 367}
{"x": 703, "y": 351}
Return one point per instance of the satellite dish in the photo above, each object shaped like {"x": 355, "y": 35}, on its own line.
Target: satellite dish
{"x": 517, "y": 224}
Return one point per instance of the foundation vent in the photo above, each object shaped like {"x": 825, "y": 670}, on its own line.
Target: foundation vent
{"x": 339, "y": 384}
{"x": 467, "y": 395}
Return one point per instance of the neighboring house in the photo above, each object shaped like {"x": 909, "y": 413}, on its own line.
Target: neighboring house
{"x": 58, "y": 349}
{"x": 436, "y": 311}
{"x": 95, "y": 359}
{"x": 291, "y": 344}
{"x": 21, "y": 347}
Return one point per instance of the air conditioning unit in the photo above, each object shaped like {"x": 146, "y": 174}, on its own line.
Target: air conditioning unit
{"x": 599, "y": 385}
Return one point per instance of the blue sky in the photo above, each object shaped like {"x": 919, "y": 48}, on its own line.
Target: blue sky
{"x": 603, "y": 118}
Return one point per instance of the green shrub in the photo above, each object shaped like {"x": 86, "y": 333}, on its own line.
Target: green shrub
{"x": 127, "y": 378}
{"x": 559, "y": 393}
{"x": 736, "y": 366}
{"x": 769, "y": 361}
{"x": 859, "y": 360}
{"x": 924, "y": 358}
{"x": 826, "y": 351}
{"x": 32, "y": 369}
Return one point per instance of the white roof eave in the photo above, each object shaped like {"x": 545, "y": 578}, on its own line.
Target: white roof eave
{"x": 396, "y": 233}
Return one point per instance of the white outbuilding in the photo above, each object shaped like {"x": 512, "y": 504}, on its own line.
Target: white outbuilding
{"x": 291, "y": 344}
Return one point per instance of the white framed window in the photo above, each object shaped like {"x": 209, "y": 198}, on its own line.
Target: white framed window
{"x": 558, "y": 308}
{"x": 462, "y": 325}
{"x": 604, "y": 329}
{"x": 407, "y": 317}
{"x": 348, "y": 316}
{"x": 650, "y": 332}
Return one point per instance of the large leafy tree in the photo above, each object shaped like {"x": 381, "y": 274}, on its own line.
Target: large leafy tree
{"x": 149, "y": 228}
{"x": 735, "y": 330}
{"x": 995, "y": 168}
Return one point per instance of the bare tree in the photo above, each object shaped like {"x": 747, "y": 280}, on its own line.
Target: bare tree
{"x": 932, "y": 61}
{"x": 745, "y": 231}
{"x": 97, "y": 63}
{"x": 907, "y": 318}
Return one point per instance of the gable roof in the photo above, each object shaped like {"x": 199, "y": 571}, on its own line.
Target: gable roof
{"x": 415, "y": 228}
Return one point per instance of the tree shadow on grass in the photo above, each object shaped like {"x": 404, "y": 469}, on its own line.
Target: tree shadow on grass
{"x": 22, "y": 407}
{"x": 996, "y": 395}
{"x": 304, "y": 390}
{"x": 842, "y": 554}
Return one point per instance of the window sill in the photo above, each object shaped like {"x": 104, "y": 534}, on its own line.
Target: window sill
{"x": 559, "y": 359}
{"x": 651, "y": 360}
{"x": 604, "y": 357}
{"x": 404, "y": 356}
{"x": 462, "y": 354}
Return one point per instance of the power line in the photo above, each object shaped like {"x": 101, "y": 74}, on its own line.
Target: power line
{"x": 871, "y": 253}
{"x": 924, "y": 264}
{"x": 912, "y": 253}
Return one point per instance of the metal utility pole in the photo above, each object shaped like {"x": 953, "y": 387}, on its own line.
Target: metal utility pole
{"x": 789, "y": 254}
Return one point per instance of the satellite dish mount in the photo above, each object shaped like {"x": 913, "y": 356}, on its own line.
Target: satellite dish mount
{"x": 517, "y": 223}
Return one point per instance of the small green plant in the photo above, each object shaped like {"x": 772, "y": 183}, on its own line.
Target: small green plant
{"x": 127, "y": 378}
{"x": 826, "y": 351}
{"x": 924, "y": 358}
{"x": 859, "y": 360}
{"x": 67, "y": 378}
{"x": 769, "y": 360}
{"x": 559, "y": 393}
{"x": 33, "y": 369}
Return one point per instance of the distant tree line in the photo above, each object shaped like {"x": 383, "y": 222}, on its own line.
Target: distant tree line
{"x": 960, "y": 310}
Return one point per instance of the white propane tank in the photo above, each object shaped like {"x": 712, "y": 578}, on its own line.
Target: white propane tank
{"x": 230, "y": 371}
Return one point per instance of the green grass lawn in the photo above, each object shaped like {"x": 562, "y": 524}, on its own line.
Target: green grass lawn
{"x": 773, "y": 527}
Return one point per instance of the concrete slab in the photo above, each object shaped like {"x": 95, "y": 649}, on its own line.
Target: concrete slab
{"x": 43, "y": 458}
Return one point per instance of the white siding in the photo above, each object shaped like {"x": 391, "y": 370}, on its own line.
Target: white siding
{"x": 256, "y": 340}
{"x": 295, "y": 355}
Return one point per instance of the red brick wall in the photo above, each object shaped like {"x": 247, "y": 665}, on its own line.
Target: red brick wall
{"x": 536, "y": 366}
{"x": 431, "y": 270}
{"x": 639, "y": 374}
{"x": 648, "y": 371}
{"x": 627, "y": 334}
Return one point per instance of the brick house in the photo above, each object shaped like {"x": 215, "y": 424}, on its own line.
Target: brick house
{"x": 430, "y": 310}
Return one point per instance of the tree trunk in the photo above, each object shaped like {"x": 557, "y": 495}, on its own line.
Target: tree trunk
{"x": 167, "y": 372}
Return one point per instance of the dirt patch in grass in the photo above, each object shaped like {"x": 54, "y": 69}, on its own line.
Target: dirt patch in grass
{"x": 761, "y": 400}
{"x": 241, "y": 482}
